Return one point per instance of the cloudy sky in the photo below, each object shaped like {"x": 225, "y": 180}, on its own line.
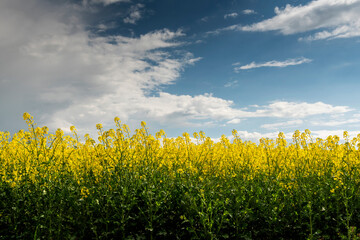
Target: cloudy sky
{"x": 256, "y": 66}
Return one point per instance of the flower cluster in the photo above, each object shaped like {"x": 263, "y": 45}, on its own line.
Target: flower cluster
{"x": 35, "y": 154}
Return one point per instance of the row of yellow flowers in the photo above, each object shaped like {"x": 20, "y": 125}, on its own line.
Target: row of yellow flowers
{"x": 35, "y": 154}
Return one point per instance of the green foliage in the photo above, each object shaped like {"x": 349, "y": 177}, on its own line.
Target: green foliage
{"x": 157, "y": 207}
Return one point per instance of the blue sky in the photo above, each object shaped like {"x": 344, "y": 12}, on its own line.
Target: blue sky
{"x": 259, "y": 67}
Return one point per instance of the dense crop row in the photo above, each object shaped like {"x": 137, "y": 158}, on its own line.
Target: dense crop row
{"x": 139, "y": 186}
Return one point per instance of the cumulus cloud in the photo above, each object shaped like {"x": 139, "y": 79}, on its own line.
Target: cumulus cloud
{"x": 323, "y": 134}
{"x": 168, "y": 107}
{"x": 182, "y": 109}
{"x": 134, "y": 13}
{"x": 126, "y": 77}
{"x": 288, "y": 62}
{"x": 284, "y": 109}
{"x": 66, "y": 75}
{"x": 231, "y": 15}
{"x": 255, "y": 136}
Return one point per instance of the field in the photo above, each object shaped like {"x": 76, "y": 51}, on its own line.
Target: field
{"x": 139, "y": 186}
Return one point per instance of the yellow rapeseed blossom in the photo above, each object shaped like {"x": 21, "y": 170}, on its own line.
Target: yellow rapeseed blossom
{"x": 27, "y": 116}
{"x": 84, "y": 192}
{"x": 35, "y": 155}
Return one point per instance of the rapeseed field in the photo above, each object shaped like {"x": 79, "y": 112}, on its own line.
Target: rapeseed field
{"x": 134, "y": 185}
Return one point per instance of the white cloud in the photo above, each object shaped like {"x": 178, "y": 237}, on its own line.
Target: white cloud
{"x": 234, "y": 121}
{"x": 134, "y": 13}
{"x": 231, "y": 83}
{"x": 220, "y": 30}
{"x": 340, "y": 18}
{"x": 185, "y": 107}
{"x": 331, "y": 18}
{"x": 288, "y": 62}
{"x": 344, "y": 31}
{"x": 66, "y": 75}
{"x": 182, "y": 109}
{"x": 105, "y": 2}
{"x": 325, "y": 133}
{"x": 335, "y": 122}
{"x": 292, "y": 123}
{"x": 204, "y": 19}
{"x": 256, "y": 136}
{"x": 231, "y": 15}
{"x": 102, "y": 27}
{"x": 282, "y": 109}
{"x": 248, "y": 12}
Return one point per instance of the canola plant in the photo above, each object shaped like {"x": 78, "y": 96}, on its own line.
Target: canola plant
{"x": 130, "y": 185}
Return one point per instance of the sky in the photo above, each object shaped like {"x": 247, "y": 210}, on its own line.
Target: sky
{"x": 260, "y": 67}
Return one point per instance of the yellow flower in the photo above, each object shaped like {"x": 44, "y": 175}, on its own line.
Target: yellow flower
{"x": 84, "y": 192}
{"x": 45, "y": 129}
{"x": 59, "y": 133}
{"x": 99, "y": 126}
{"x": 26, "y": 116}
